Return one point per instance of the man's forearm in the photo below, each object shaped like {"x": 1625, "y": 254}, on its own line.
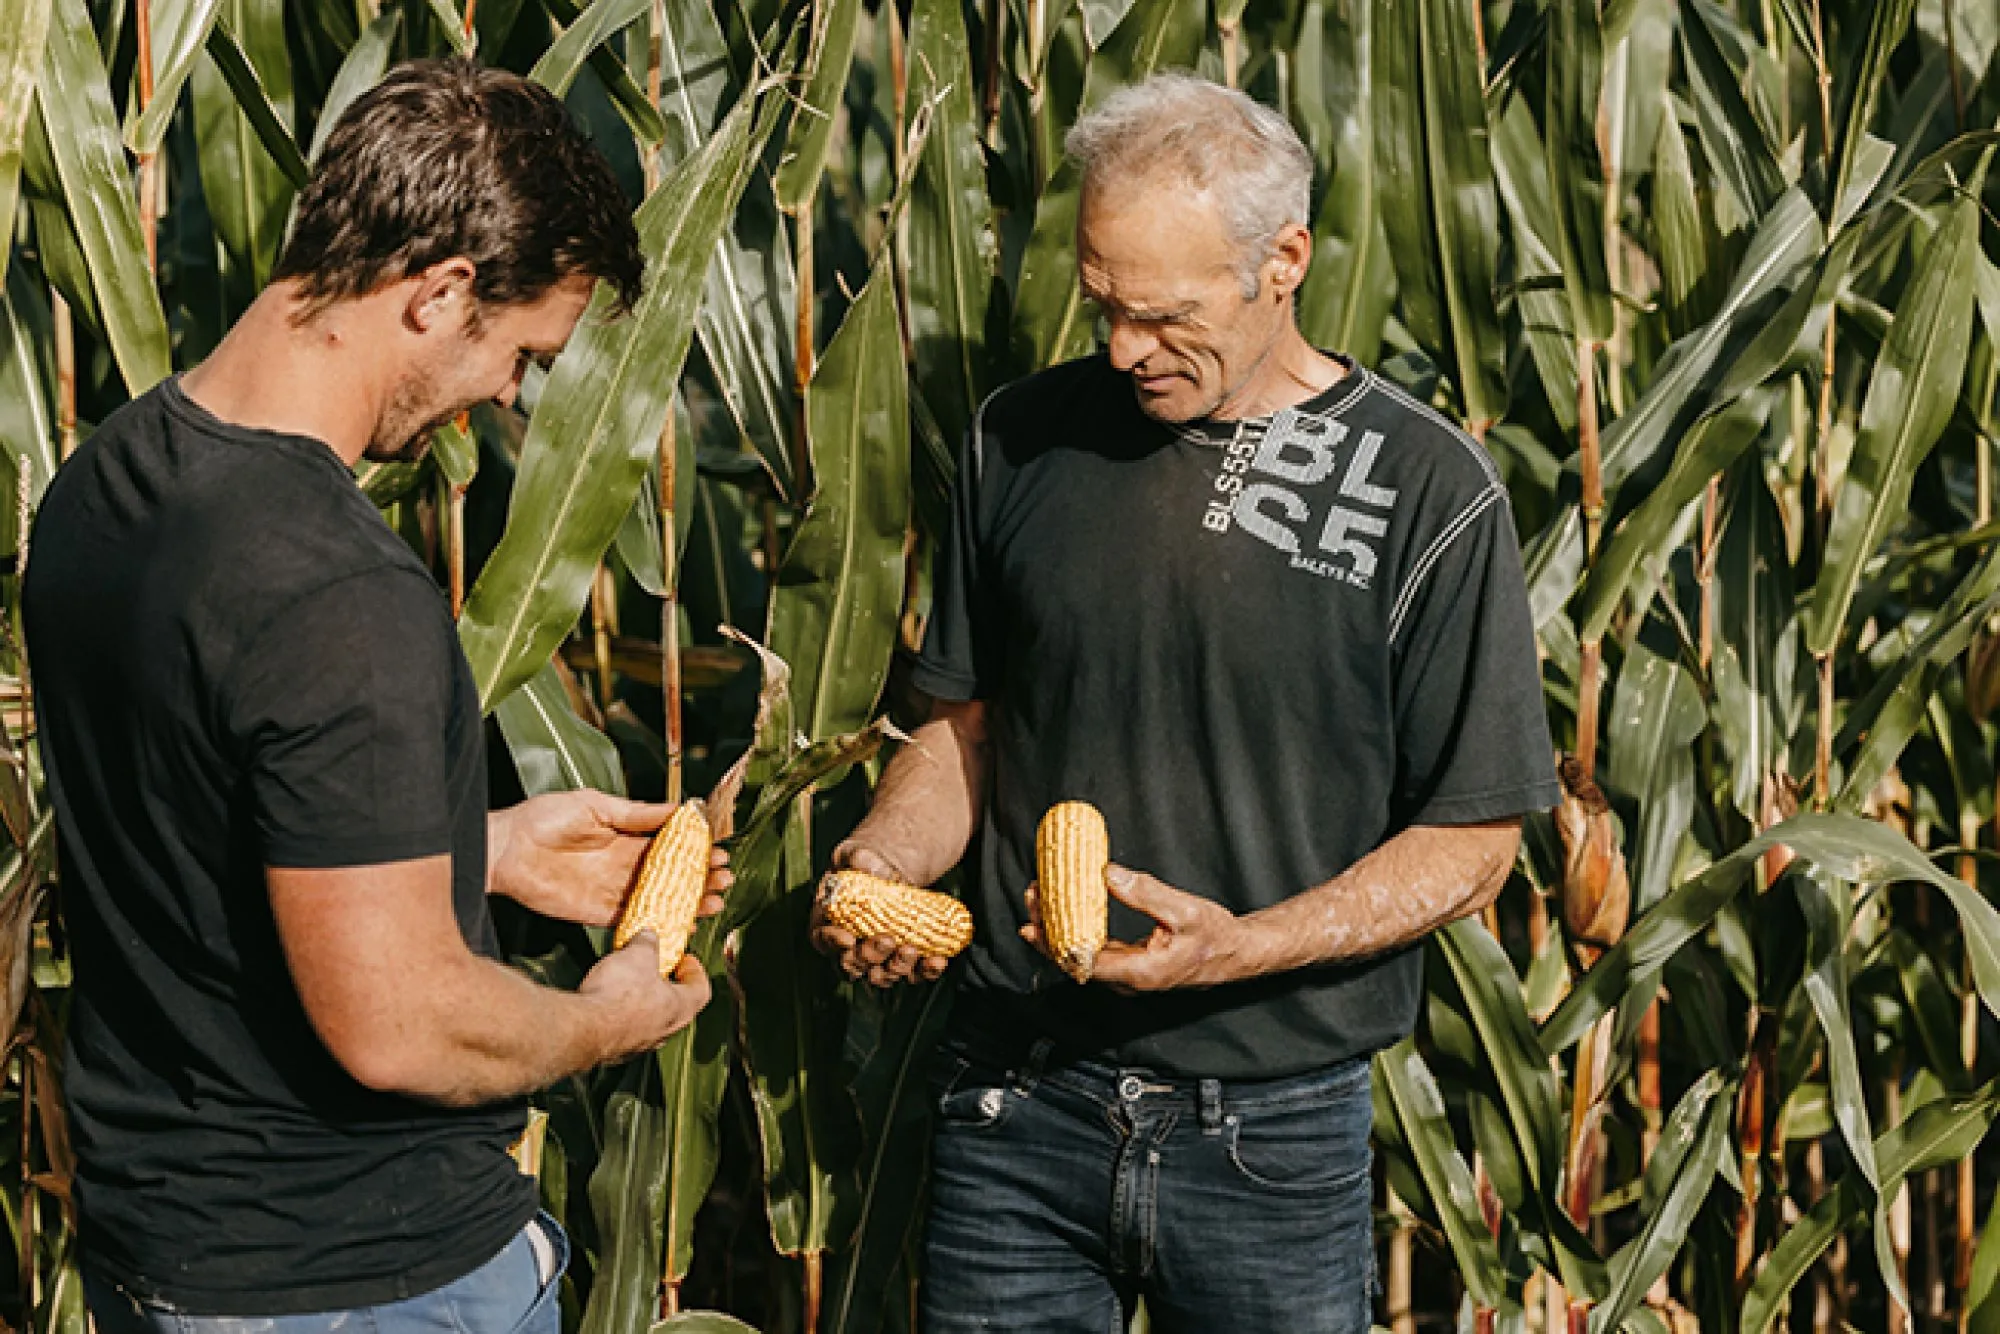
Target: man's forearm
{"x": 478, "y": 1034}
{"x": 930, "y": 797}
{"x": 1424, "y": 878}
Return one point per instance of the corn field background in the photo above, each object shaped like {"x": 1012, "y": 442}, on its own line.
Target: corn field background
{"x": 1713, "y": 282}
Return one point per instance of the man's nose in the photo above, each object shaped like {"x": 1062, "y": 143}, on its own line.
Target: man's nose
{"x": 1131, "y": 344}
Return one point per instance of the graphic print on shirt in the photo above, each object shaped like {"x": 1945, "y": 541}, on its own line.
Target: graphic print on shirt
{"x": 1280, "y": 488}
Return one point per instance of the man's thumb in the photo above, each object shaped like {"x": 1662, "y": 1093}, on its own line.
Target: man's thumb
{"x": 1132, "y": 889}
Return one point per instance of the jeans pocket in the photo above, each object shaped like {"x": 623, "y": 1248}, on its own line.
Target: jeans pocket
{"x": 1298, "y": 1147}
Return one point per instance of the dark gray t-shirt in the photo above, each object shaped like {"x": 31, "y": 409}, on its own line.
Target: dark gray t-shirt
{"x": 1262, "y": 649}
{"x": 238, "y": 665}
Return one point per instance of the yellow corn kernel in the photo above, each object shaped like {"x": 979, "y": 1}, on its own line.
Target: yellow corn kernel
{"x": 670, "y": 885}
{"x": 1071, "y": 850}
{"x": 936, "y": 925}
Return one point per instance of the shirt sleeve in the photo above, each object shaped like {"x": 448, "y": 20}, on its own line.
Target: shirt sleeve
{"x": 961, "y": 658}
{"x": 1472, "y": 731}
{"x": 340, "y": 708}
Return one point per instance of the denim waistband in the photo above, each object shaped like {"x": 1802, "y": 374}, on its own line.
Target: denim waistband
{"x": 1028, "y": 1058}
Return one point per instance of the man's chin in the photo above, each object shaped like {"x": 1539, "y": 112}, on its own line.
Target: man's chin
{"x": 1175, "y": 407}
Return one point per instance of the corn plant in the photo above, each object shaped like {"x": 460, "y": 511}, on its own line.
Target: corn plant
{"x": 1714, "y": 282}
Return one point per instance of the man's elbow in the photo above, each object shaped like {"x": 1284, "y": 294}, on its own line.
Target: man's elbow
{"x": 396, "y": 1061}
{"x": 1499, "y": 844}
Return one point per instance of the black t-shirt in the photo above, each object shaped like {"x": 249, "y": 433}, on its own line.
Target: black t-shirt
{"x": 237, "y": 664}
{"x": 1262, "y": 649}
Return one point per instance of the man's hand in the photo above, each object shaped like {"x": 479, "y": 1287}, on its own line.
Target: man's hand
{"x": 642, "y": 1009}
{"x": 1196, "y": 942}
{"x": 879, "y": 959}
{"x": 572, "y": 855}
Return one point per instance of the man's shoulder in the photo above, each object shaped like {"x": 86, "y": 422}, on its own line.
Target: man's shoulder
{"x": 1418, "y": 446}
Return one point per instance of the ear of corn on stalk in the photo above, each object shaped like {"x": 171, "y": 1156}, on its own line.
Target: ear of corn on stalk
{"x": 1071, "y": 851}
{"x": 668, "y": 890}
{"x": 937, "y": 925}
{"x": 1596, "y": 894}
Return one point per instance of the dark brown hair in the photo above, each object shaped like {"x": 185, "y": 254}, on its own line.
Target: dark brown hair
{"x": 445, "y": 158}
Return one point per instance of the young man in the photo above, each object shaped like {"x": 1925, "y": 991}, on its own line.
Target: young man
{"x": 1267, "y": 614}
{"x": 295, "y": 1062}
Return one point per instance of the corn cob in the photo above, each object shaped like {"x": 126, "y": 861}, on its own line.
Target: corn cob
{"x": 670, "y": 884}
{"x": 937, "y": 925}
{"x": 1071, "y": 850}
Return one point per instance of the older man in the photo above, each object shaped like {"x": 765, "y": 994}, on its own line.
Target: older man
{"x": 1266, "y": 613}
{"x": 295, "y": 1064}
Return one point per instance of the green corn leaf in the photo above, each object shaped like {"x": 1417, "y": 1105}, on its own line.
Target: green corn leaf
{"x": 255, "y": 103}
{"x": 597, "y": 425}
{"x": 639, "y": 541}
{"x": 1102, "y": 17}
{"x": 1757, "y": 660}
{"x": 553, "y": 749}
{"x": 1828, "y": 910}
{"x": 744, "y": 323}
{"x": 1888, "y": 20}
{"x": 249, "y": 195}
{"x": 27, "y": 381}
{"x": 1688, "y": 245}
{"x": 1419, "y": 1108}
{"x": 1910, "y": 396}
{"x": 1692, "y": 1145}
{"x": 1352, "y": 282}
{"x": 1982, "y": 1292}
{"x": 1438, "y": 201}
{"x": 1571, "y": 113}
{"x": 367, "y": 61}
{"x": 889, "y": 1036}
{"x": 1851, "y": 848}
{"x": 638, "y": 113}
{"x": 1048, "y": 308}
{"x": 1786, "y": 243}
{"x": 1520, "y": 171}
{"x": 1652, "y": 529}
{"x": 1657, "y": 711}
{"x": 21, "y": 44}
{"x": 1512, "y": 1054}
{"x": 180, "y": 31}
{"x": 804, "y": 159}
{"x": 951, "y": 243}
{"x": 1731, "y": 136}
{"x": 1882, "y": 722}
{"x": 1931, "y": 1010}
{"x": 1937, "y": 1133}
{"x": 452, "y": 24}
{"x": 75, "y": 101}
{"x": 627, "y": 1191}
{"x": 792, "y": 1036}
{"x": 598, "y": 24}
{"x": 838, "y": 597}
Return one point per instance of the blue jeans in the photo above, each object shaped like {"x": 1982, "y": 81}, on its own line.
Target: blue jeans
{"x": 1062, "y": 1192}
{"x": 507, "y": 1295}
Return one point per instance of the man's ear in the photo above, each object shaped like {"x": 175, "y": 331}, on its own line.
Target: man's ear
{"x": 1291, "y": 256}
{"x": 441, "y": 296}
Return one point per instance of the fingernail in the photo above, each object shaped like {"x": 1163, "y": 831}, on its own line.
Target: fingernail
{"x": 1118, "y": 876}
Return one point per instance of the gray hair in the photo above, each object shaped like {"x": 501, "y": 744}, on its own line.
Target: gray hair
{"x": 1216, "y": 139}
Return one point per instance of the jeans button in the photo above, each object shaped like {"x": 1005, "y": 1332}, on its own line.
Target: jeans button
{"x": 1130, "y": 1087}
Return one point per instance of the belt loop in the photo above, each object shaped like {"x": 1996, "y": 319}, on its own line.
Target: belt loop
{"x": 1210, "y": 1094}
{"x": 1031, "y": 1069}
